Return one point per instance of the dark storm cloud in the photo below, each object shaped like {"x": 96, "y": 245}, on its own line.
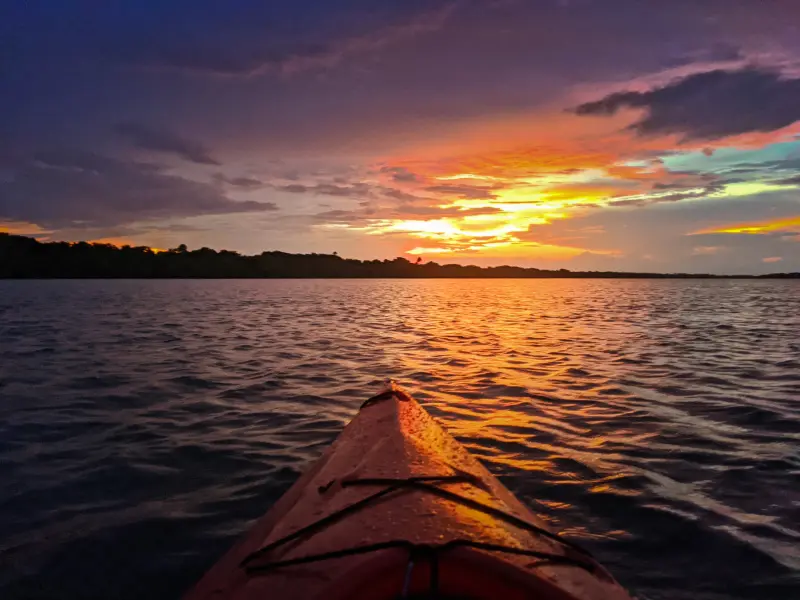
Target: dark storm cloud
{"x": 710, "y": 105}
{"x": 156, "y": 139}
{"x": 67, "y": 188}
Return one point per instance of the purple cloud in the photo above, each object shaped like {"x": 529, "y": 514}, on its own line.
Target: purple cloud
{"x": 147, "y": 137}
{"x": 710, "y": 105}
{"x": 68, "y": 188}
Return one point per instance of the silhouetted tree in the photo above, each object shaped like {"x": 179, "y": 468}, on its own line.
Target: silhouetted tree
{"x": 23, "y": 257}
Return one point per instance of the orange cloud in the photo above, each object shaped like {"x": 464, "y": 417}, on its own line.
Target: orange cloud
{"x": 569, "y": 170}
{"x": 707, "y": 250}
{"x": 20, "y": 228}
{"x": 576, "y": 164}
{"x": 754, "y": 228}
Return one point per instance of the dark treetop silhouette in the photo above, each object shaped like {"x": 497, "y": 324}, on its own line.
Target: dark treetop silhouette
{"x": 24, "y": 257}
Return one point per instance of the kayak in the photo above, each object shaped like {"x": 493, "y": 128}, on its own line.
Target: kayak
{"x": 397, "y": 508}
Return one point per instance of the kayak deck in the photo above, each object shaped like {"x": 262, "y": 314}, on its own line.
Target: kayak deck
{"x": 397, "y": 506}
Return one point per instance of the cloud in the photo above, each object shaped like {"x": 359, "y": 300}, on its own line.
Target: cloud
{"x": 772, "y": 259}
{"x": 720, "y": 52}
{"x": 471, "y": 192}
{"x": 795, "y": 180}
{"x": 245, "y": 183}
{"x": 146, "y": 137}
{"x": 709, "y": 105}
{"x": 409, "y": 211}
{"x": 228, "y": 54}
{"x": 659, "y": 232}
{"x": 707, "y": 250}
{"x": 76, "y": 188}
{"x": 21, "y": 228}
{"x": 384, "y": 84}
{"x": 294, "y": 188}
{"x": 366, "y": 217}
{"x": 400, "y": 174}
{"x": 677, "y": 194}
{"x": 354, "y": 190}
{"x": 785, "y": 164}
{"x": 402, "y": 196}
{"x": 783, "y": 224}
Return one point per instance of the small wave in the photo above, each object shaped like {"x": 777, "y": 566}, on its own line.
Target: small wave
{"x": 654, "y": 420}
{"x": 193, "y": 382}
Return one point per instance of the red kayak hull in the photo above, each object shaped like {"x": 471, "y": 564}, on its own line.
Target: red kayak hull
{"x": 395, "y": 480}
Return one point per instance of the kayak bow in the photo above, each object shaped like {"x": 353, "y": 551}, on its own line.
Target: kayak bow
{"x": 397, "y": 508}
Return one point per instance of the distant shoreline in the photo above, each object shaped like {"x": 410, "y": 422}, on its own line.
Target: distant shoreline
{"x": 576, "y": 275}
{"x": 25, "y": 258}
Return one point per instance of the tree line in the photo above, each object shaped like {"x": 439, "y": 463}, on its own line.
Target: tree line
{"x": 25, "y": 257}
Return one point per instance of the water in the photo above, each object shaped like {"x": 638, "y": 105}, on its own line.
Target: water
{"x": 144, "y": 424}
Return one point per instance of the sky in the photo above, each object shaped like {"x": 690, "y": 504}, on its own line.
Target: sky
{"x": 637, "y": 135}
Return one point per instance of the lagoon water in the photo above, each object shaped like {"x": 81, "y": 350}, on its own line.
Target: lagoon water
{"x": 145, "y": 424}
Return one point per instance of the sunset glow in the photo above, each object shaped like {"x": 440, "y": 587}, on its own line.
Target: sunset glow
{"x": 604, "y": 146}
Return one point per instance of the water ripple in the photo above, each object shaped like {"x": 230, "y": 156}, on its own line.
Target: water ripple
{"x": 144, "y": 424}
